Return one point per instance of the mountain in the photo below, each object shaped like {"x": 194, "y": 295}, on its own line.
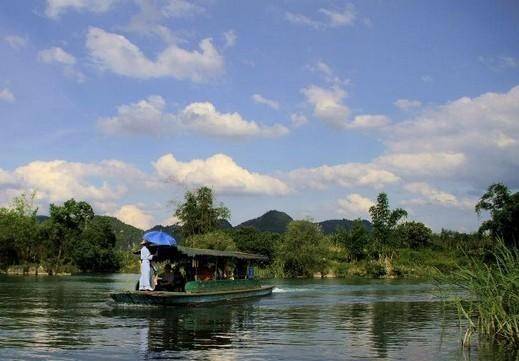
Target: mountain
{"x": 127, "y": 236}
{"x": 41, "y": 219}
{"x": 332, "y": 225}
{"x": 272, "y": 221}
{"x": 173, "y": 230}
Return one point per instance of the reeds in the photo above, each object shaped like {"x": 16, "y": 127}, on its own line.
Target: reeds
{"x": 492, "y": 307}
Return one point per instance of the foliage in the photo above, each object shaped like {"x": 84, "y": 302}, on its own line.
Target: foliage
{"x": 503, "y": 206}
{"x": 413, "y": 234}
{"x": 218, "y": 240}
{"x": 354, "y": 240}
{"x": 302, "y": 250}
{"x": 249, "y": 240}
{"x": 18, "y": 232}
{"x": 95, "y": 252}
{"x": 384, "y": 221}
{"x": 198, "y": 214}
{"x": 272, "y": 221}
{"x": 492, "y": 308}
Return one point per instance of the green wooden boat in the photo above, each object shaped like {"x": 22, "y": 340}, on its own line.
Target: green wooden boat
{"x": 196, "y": 291}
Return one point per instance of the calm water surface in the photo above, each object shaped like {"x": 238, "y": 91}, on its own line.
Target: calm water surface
{"x": 70, "y": 318}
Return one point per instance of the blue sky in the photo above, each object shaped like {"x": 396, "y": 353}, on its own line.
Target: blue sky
{"x": 311, "y": 107}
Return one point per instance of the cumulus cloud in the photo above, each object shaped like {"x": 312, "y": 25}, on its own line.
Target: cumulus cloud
{"x": 55, "y": 8}
{"x": 148, "y": 116}
{"x": 477, "y": 138}
{"x": 16, "y": 42}
{"x": 7, "y": 96}
{"x": 131, "y": 214}
{"x": 260, "y": 99}
{"x": 344, "y": 175}
{"x": 407, "y": 104}
{"x": 56, "y": 55}
{"x": 328, "y": 105}
{"x": 298, "y": 119}
{"x": 354, "y": 206}
{"x": 117, "y": 54}
{"x": 219, "y": 172}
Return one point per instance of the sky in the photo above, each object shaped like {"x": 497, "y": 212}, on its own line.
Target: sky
{"x": 308, "y": 107}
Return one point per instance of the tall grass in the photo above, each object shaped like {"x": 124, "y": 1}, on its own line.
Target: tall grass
{"x": 492, "y": 306}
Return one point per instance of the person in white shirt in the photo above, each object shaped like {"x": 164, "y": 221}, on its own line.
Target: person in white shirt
{"x": 146, "y": 274}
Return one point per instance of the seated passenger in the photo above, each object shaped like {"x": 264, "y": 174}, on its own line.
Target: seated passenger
{"x": 166, "y": 280}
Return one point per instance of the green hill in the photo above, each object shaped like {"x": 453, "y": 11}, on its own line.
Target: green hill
{"x": 127, "y": 236}
{"x": 332, "y": 225}
{"x": 272, "y": 221}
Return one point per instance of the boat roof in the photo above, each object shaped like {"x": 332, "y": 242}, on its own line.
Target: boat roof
{"x": 192, "y": 252}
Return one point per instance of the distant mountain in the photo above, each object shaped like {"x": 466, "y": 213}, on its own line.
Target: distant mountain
{"x": 272, "y": 221}
{"x": 332, "y": 225}
{"x": 41, "y": 219}
{"x": 224, "y": 224}
{"x": 127, "y": 236}
{"x": 173, "y": 230}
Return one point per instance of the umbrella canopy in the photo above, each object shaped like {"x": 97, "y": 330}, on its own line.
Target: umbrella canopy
{"x": 159, "y": 238}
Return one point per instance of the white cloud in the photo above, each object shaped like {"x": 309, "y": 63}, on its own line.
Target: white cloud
{"x": 499, "y": 63}
{"x": 115, "y": 53}
{"x": 219, "y": 172}
{"x": 57, "y": 55}
{"x": 55, "y": 8}
{"x": 148, "y": 117}
{"x": 15, "y": 41}
{"x": 181, "y": 8}
{"x": 332, "y": 18}
{"x": 298, "y": 120}
{"x": 301, "y": 19}
{"x": 230, "y": 38}
{"x": 7, "y": 96}
{"x": 354, "y": 206}
{"x": 477, "y": 139}
{"x": 422, "y": 164}
{"x": 260, "y": 99}
{"x": 337, "y": 18}
{"x": 131, "y": 214}
{"x": 328, "y": 105}
{"x": 407, "y": 104}
{"x": 432, "y": 195}
{"x": 344, "y": 175}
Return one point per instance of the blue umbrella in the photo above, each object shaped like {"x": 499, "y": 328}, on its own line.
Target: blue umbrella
{"x": 159, "y": 238}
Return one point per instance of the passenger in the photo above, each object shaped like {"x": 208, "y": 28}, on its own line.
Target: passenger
{"x": 145, "y": 282}
{"x": 166, "y": 280}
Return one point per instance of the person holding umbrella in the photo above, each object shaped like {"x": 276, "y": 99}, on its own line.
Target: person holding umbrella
{"x": 146, "y": 275}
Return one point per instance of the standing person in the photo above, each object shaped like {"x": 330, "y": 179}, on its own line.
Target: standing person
{"x": 146, "y": 274}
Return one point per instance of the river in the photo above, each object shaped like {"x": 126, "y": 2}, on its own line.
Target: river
{"x": 70, "y": 318}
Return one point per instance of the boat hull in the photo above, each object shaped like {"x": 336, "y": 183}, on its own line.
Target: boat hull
{"x": 163, "y": 298}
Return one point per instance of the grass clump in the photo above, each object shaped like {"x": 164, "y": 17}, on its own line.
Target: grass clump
{"x": 492, "y": 306}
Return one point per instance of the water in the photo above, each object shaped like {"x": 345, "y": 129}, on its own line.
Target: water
{"x": 70, "y": 318}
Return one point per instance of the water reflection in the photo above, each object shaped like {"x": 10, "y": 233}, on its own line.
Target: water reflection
{"x": 69, "y": 318}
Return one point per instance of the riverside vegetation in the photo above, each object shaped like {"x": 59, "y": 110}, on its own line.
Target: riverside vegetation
{"x": 74, "y": 239}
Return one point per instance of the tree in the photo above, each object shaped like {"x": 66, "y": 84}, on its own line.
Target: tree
{"x": 198, "y": 215}
{"x": 413, "y": 234}
{"x": 302, "y": 250}
{"x": 95, "y": 252}
{"x": 63, "y": 230}
{"x": 503, "y": 206}
{"x": 248, "y": 239}
{"x": 18, "y": 232}
{"x": 355, "y": 240}
{"x": 218, "y": 240}
{"x": 384, "y": 221}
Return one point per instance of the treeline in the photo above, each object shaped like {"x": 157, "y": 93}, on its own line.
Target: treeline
{"x": 392, "y": 247}
{"x": 70, "y": 239}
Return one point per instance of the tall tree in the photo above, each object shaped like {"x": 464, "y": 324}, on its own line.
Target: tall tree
{"x": 384, "y": 221}
{"x": 198, "y": 214}
{"x": 503, "y": 206}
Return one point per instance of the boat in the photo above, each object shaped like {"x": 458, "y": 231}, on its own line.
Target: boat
{"x": 199, "y": 286}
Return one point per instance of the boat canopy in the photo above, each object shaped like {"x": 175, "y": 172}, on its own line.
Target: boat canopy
{"x": 193, "y": 252}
